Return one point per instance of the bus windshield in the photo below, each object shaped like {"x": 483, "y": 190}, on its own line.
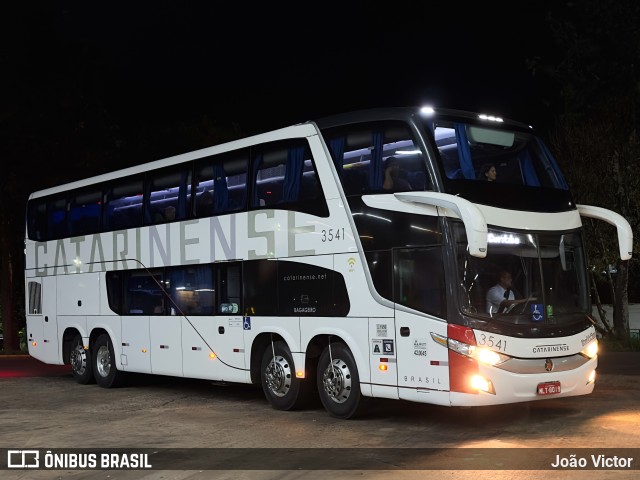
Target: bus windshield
{"x": 526, "y": 278}
{"x": 468, "y": 152}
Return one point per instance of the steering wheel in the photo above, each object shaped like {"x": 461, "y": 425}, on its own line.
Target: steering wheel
{"x": 529, "y": 299}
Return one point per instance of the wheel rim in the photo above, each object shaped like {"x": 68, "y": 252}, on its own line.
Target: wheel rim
{"x": 337, "y": 381}
{"x": 278, "y": 376}
{"x": 103, "y": 361}
{"x": 78, "y": 359}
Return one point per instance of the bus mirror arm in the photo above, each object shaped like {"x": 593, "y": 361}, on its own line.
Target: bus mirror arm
{"x": 474, "y": 222}
{"x": 625, "y": 234}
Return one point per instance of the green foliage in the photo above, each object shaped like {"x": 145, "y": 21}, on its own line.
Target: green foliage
{"x": 630, "y": 344}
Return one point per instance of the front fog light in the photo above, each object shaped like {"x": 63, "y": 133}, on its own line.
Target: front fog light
{"x": 483, "y": 384}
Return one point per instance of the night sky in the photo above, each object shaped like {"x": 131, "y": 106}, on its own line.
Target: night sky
{"x": 264, "y": 67}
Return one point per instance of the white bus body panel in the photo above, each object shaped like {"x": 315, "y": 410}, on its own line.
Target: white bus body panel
{"x": 423, "y": 365}
{"x": 166, "y": 345}
{"x": 136, "y": 344}
{"x": 79, "y": 294}
{"x": 383, "y": 352}
{"x": 229, "y": 346}
{"x": 196, "y": 358}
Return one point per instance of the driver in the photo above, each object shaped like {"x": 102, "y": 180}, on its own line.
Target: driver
{"x": 500, "y": 297}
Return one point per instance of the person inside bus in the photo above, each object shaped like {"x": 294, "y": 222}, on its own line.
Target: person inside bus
{"x": 393, "y": 176}
{"x": 168, "y": 214}
{"x": 488, "y": 172}
{"x": 501, "y": 297}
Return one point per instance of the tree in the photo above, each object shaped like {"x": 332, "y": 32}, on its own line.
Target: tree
{"x": 596, "y": 133}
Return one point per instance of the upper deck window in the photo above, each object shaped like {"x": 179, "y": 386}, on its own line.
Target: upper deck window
{"x": 471, "y": 152}
{"x": 504, "y": 168}
{"x": 377, "y": 157}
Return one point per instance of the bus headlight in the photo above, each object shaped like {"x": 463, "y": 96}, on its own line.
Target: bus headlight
{"x": 590, "y": 350}
{"x": 488, "y": 357}
{"x": 482, "y": 355}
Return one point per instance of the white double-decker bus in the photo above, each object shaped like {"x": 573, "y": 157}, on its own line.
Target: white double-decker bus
{"x": 428, "y": 255}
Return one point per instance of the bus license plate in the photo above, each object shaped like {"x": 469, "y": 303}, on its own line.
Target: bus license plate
{"x": 548, "y": 388}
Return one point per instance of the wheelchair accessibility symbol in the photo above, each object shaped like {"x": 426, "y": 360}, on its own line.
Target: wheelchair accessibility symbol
{"x": 536, "y": 312}
{"x": 246, "y": 323}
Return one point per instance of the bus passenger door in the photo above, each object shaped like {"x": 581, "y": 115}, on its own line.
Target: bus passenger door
{"x": 423, "y": 373}
{"x": 230, "y": 325}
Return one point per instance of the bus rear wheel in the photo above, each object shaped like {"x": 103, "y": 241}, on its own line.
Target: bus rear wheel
{"x": 104, "y": 365}
{"x": 278, "y": 377}
{"x": 339, "y": 383}
{"x": 80, "y": 360}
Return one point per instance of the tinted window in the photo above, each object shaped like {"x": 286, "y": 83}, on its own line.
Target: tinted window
{"x": 143, "y": 294}
{"x": 260, "y": 279}
{"x": 284, "y": 174}
{"x": 221, "y": 183}
{"x": 124, "y": 205}
{"x": 57, "y": 218}
{"x": 85, "y": 211}
{"x": 37, "y": 220}
{"x": 115, "y": 282}
{"x": 168, "y": 196}
{"x": 229, "y": 288}
{"x": 419, "y": 282}
{"x": 381, "y": 273}
{"x": 192, "y": 290}
{"x": 377, "y": 157}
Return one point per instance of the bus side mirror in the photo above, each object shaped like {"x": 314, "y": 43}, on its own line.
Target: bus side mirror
{"x": 475, "y": 224}
{"x": 625, "y": 234}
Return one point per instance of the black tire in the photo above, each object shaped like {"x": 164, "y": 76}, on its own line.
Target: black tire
{"x": 81, "y": 363}
{"x": 104, "y": 365}
{"x": 339, "y": 387}
{"x": 278, "y": 377}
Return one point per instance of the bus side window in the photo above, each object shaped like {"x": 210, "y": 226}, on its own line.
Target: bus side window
{"x": 260, "y": 287}
{"x": 419, "y": 282}
{"x": 124, "y": 205}
{"x": 192, "y": 290}
{"x": 229, "y": 288}
{"x": 221, "y": 183}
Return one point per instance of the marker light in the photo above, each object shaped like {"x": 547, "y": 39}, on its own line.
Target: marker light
{"x": 592, "y": 377}
{"x": 300, "y": 373}
{"x": 212, "y": 356}
{"x": 383, "y": 367}
{"x": 590, "y": 350}
{"x": 480, "y": 383}
{"x": 35, "y": 344}
{"x": 427, "y": 110}
{"x": 144, "y": 350}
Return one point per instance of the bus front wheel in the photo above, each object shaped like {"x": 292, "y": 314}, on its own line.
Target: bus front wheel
{"x": 339, "y": 383}
{"x": 104, "y": 365}
{"x": 278, "y": 377}
{"x": 80, "y": 360}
